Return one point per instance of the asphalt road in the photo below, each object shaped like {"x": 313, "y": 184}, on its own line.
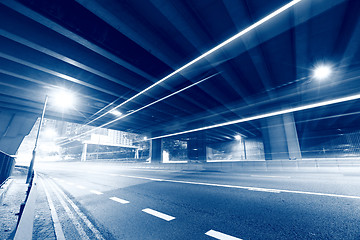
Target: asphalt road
{"x": 105, "y": 201}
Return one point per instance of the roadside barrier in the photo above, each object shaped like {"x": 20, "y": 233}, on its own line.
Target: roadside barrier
{"x": 7, "y": 164}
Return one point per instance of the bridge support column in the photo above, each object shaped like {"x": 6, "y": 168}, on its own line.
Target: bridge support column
{"x": 280, "y": 138}
{"x": 196, "y": 147}
{"x": 84, "y": 152}
{"x": 156, "y": 150}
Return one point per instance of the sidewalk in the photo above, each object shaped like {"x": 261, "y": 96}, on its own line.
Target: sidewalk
{"x": 10, "y": 205}
{"x": 43, "y": 222}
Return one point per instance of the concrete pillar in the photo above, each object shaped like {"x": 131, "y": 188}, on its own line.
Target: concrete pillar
{"x": 84, "y": 152}
{"x": 291, "y": 136}
{"x": 196, "y": 147}
{"x": 137, "y": 153}
{"x": 280, "y": 138}
{"x": 156, "y": 150}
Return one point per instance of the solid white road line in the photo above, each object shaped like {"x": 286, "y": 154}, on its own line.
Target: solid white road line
{"x": 59, "y": 234}
{"x": 75, "y": 222}
{"x": 158, "y": 214}
{"x": 221, "y": 236}
{"x": 116, "y": 199}
{"x": 96, "y": 192}
{"x": 264, "y": 190}
{"x": 81, "y": 214}
{"x": 246, "y": 188}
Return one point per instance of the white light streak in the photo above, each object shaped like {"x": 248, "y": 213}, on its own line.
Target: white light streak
{"x": 226, "y": 42}
{"x": 139, "y": 109}
{"x": 236, "y": 36}
{"x": 116, "y": 112}
{"x": 266, "y": 115}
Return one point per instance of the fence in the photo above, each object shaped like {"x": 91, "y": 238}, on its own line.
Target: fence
{"x": 6, "y": 166}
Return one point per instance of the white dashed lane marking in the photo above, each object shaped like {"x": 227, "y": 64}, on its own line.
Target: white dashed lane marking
{"x": 96, "y": 192}
{"x": 221, "y": 236}
{"x": 119, "y": 200}
{"x": 158, "y": 214}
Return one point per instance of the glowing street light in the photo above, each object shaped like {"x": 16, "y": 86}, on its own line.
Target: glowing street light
{"x": 63, "y": 100}
{"x": 50, "y": 133}
{"x": 238, "y": 137}
{"x": 322, "y": 72}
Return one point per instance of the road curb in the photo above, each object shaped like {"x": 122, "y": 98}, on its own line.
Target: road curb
{"x": 26, "y": 222}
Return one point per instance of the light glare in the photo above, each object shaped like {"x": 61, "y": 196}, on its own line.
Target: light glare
{"x": 50, "y": 133}
{"x": 322, "y": 71}
{"x": 238, "y": 137}
{"x": 64, "y": 99}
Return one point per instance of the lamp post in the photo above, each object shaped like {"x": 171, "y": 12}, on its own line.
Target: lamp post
{"x": 31, "y": 167}
{"x": 62, "y": 99}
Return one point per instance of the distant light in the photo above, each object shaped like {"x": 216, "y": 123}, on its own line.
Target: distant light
{"x": 322, "y": 71}
{"x": 116, "y": 112}
{"x": 49, "y": 133}
{"x": 64, "y": 99}
{"x": 145, "y": 138}
{"x": 238, "y": 137}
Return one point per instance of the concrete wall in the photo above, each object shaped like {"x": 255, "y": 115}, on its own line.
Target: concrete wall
{"x": 14, "y": 126}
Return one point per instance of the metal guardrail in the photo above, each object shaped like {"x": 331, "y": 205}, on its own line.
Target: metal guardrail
{"x": 7, "y": 164}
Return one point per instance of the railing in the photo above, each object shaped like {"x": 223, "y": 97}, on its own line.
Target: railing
{"x": 7, "y": 163}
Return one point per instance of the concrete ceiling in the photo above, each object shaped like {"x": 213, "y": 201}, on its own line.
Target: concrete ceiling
{"x": 108, "y": 51}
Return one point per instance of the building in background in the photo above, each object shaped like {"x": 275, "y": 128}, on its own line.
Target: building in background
{"x": 60, "y": 140}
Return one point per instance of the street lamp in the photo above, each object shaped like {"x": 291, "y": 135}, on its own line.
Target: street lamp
{"x": 62, "y": 99}
{"x": 238, "y": 137}
{"x": 322, "y": 72}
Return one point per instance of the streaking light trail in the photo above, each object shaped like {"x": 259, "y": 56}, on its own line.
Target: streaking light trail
{"x": 236, "y": 36}
{"x": 146, "y": 106}
{"x": 266, "y": 115}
